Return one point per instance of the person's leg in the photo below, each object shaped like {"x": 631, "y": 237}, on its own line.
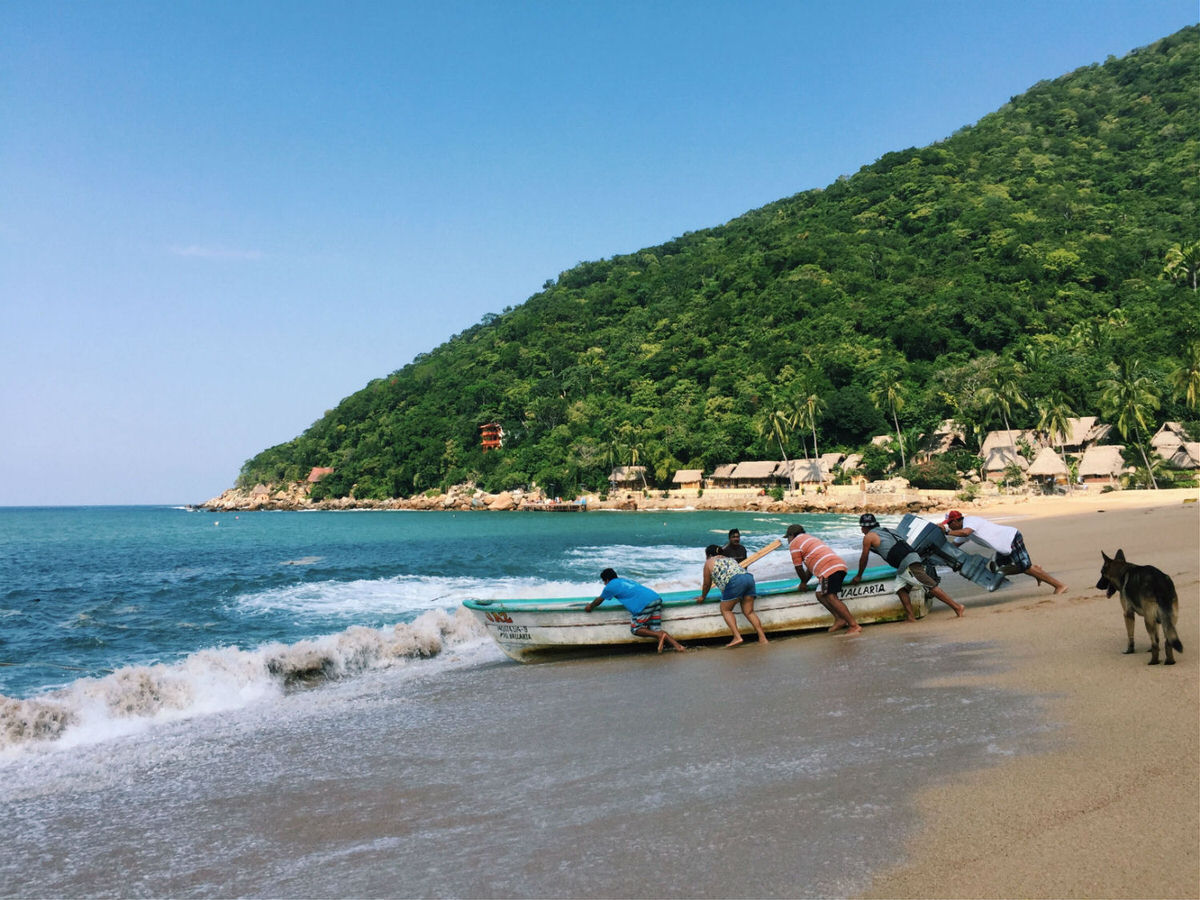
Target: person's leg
{"x": 752, "y": 617}
{"x": 1041, "y": 576}
{"x": 662, "y": 637}
{"x": 909, "y": 616}
{"x": 916, "y": 573}
{"x": 727, "y": 615}
{"x": 835, "y": 604}
{"x": 958, "y": 608}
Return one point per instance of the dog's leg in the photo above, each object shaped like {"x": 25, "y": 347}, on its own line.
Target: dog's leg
{"x": 1129, "y": 614}
{"x": 1168, "y": 610}
{"x": 1151, "y": 615}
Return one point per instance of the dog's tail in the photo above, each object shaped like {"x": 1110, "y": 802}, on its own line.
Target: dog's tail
{"x": 1168, "y": 609}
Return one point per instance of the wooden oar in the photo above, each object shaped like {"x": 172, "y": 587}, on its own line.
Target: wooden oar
{"x": 774, "y": 545}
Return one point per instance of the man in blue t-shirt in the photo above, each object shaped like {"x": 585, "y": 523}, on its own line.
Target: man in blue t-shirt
{"x": 645, "y": 607}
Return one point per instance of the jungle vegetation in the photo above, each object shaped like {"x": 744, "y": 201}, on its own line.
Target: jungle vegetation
{"x": 1039, "y": 263}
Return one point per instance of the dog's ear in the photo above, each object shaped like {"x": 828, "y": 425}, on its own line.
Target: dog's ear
{"x": 1120, "y": 556}
{"x": 1105, "y": 556}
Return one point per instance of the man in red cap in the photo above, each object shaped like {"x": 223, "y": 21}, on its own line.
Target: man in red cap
{"x": 1006, "y": 542}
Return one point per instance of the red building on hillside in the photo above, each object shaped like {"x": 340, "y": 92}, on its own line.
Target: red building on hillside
{"x": 491, "y": 436}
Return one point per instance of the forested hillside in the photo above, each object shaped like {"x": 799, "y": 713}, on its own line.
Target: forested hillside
{"x": 1042, "y": 260}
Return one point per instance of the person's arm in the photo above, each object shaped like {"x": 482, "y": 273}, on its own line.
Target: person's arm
{"x": 804, "y": 574}
{"x": 961, "y": 533}
{"x": 862, "y": 559}
{"x": 593, "y": 604}
{"x": 707, "y": 585}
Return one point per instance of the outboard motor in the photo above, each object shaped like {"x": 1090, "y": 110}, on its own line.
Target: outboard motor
{"x": 930, "y": 542}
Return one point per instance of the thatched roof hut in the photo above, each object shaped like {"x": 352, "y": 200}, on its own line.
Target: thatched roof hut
{"x": 1049, "y": 467}
{"x": 1102, "y": 465}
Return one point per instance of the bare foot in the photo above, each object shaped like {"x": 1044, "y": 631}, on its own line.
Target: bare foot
{"x": 734, "y": 642}
{"x": 661, "y": 639}
{"x": 910, "y": 618}
{"x": 1061, "y": 590}
{"x": 857, "y": 629}
{"x": 959, "y": 609}
{"x": 838, "y": 625}
{"x": 762, "y": 639}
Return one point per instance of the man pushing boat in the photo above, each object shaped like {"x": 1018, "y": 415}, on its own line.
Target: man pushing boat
{"x": 645, "y": 607}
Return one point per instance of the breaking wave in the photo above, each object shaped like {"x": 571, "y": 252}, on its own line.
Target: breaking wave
{"x": 133, "y": 698}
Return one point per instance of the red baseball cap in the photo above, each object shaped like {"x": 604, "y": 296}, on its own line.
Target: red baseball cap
{"x": 953, "y": 514}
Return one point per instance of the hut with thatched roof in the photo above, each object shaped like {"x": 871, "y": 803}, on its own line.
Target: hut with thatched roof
{"x": 722, "y": 476}
{"x": 1048, "y": 469}
{"x": 997, "y": 460}
{"x": 1168, "y": 439}
{"x": 1102, "y": 465}
{"x": 628, "y": 477}
{"x": 688, "y": 479}
{"x": 757, "y": 473}
{"x": 1186, "y": 457}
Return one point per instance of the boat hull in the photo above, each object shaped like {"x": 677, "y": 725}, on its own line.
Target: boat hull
{"x": 529, "y": 630}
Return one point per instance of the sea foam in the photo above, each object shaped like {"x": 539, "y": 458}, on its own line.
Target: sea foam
{"x": 133, "y": 698}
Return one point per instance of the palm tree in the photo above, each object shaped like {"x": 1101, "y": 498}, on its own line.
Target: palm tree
{"x": 1054, "y": 418}
{"x": 811, "y": 406}
{"x": 893, "y": 393}
{"x": 1183, "y": 264}
{"x": 1129, "y": 396}
{"x": 635, "y": 452}
{"x": 779, "y": 423}
{"x": 1004, "y": 394}
{"x": 1186, "y": 378}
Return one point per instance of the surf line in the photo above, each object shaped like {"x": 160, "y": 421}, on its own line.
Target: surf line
{"x": 56, "y": 666}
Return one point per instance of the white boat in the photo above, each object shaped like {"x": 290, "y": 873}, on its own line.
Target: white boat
{"x": 532, "y": 629}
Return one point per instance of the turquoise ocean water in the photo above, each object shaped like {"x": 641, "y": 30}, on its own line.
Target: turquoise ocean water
{"x": 162, "y": 609}
{"x": 292, "y": 704}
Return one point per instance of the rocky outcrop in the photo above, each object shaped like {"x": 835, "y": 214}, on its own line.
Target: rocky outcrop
{"x": 887, "y": 497}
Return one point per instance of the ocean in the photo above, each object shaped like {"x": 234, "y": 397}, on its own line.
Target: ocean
{"x": 272, "y": 704}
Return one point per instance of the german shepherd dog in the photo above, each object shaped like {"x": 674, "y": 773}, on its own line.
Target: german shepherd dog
{"x": 1148, "y": 592}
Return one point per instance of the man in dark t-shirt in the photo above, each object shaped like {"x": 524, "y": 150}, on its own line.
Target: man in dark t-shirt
{"x": 734, "y": 549}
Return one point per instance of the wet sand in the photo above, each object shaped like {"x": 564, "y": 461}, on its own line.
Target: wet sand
{"x": 1116, "y": 811}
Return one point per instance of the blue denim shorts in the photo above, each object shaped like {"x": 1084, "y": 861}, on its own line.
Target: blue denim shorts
{"x": 739, "y": 586}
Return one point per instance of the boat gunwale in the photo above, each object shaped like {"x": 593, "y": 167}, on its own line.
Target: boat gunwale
{"x": 670, "y": 598}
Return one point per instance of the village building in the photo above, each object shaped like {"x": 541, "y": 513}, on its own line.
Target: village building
{"x": 829, "y": 461}
{"x": 1186, "y": 457}
{"x": 1082, "y": 432}
{"x": 722, "y": 476}
{"x": 688, "y": 479}
{"x": 755, "y": 474}
{"x": 1048, "y": 469}
{"x": 628, "y": 478}
{"x": 1168, "y": 439}
{"x": 948, "y": 436}
{"x": 998, "y": 459}
{"x": 1102, "y": 465}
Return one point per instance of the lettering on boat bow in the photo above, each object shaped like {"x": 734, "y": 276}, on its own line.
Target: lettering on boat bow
{"x": 870, "y": 589}
{"x": 512, "y": 633}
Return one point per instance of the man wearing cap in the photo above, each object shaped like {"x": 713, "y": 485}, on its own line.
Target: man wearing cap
{"x": 897, "y": 553}
{"x": 1004, "y": 541}
{"x": 813, "y": 557}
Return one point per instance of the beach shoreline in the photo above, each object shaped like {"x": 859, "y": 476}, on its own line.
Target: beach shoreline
{"x": 1114, "y": 812}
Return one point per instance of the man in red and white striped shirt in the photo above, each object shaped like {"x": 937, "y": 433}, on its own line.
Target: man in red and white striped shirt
{"x": 813, "y": 557}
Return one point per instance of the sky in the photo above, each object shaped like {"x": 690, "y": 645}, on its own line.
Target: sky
{"x": 218, "y": 219}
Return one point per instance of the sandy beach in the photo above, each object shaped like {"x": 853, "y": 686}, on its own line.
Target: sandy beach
{"x": 1116, "y": 812}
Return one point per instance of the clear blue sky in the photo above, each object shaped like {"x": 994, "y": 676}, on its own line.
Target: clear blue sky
{"x": 217, "y": 219}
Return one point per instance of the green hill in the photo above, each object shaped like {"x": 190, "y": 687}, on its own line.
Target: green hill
{"x": 1013, "y": 263}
